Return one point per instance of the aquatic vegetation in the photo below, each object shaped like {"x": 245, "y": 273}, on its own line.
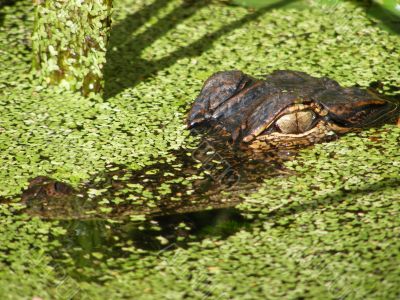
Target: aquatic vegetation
{"x": 69, "y": 43}
{"x": 332, "y": 172}
{"x": 330, "y": 231}
{"x": 25, "y": 246}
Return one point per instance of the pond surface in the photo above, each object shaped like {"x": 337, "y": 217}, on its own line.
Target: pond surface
{"x": 87, "y": 241}
{"x": 161, "y": 207}
{"x": 322, "y": 224}
{"x": 213, "y": 175}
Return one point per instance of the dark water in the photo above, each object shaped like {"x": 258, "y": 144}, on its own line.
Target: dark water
{"x": 86, "y": 239}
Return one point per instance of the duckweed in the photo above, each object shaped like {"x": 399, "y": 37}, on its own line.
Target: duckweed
{"x": 329, "y": 230}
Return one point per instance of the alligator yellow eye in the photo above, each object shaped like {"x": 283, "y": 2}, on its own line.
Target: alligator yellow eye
{"x": 297, "y": 122}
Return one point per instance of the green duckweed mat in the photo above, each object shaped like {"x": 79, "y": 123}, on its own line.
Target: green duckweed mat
{"x": 331, "y": 230}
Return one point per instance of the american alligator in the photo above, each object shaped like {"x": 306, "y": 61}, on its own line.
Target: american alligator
{"x": 286, "y": 109}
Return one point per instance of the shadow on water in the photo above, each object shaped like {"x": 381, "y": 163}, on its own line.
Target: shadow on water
{"x": 157, "y": 208}
{"x": 387, "y": 16}
{"x": 4, "y": 3}
{"x": 386, "y": 13}
{"x": 213, "y": 175}
{"x": 166, "y": 233}
{"x": 125, "y": 68}
{"x": 87, "y": 239}
{"x": 335, "y": 198}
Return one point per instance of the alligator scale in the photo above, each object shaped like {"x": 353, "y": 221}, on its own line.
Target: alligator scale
{"x": 286, "y": 109}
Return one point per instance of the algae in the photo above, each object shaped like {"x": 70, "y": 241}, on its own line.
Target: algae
{"x": 331, "y": 231}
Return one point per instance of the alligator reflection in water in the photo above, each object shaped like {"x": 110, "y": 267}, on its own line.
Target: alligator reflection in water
{"x": 211, "y": 176}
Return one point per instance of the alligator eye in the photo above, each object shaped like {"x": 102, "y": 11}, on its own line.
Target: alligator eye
{"x": 297, "y": 122}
